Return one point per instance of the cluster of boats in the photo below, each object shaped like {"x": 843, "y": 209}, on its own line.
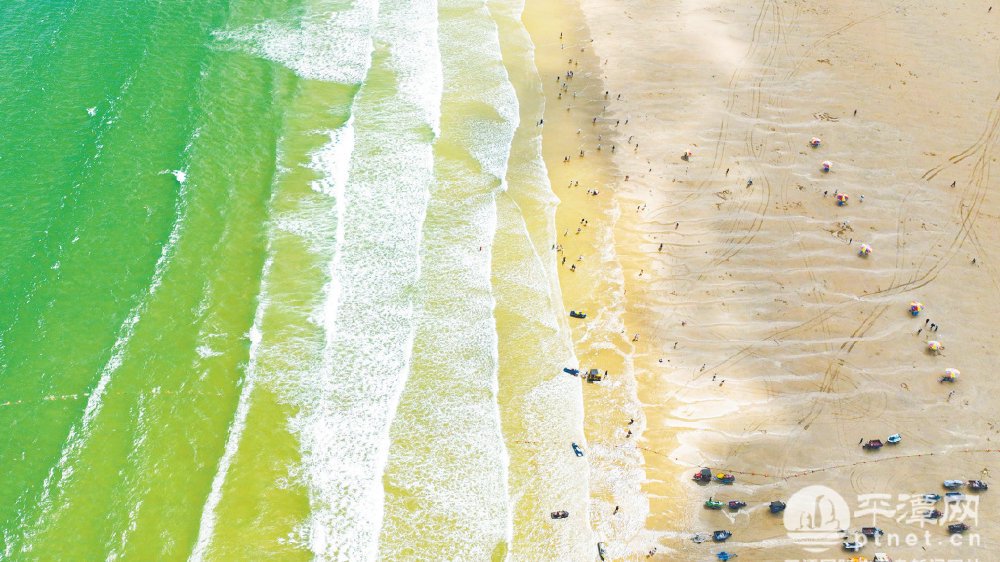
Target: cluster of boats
{"x": 875, "y": 444}
{"x": 705, "y": 476}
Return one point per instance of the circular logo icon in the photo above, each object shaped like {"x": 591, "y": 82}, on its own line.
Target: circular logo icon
{"x": 815, "y": 518}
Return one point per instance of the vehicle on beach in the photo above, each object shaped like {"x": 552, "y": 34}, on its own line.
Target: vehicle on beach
{"x": 777, "y": 506}
{"x": 725, "y": 478}
{"x": 577, "y": 450}
{"x": 956, "y": 528}
{"x": 721, "y": 536}
{"x": 933, "y": 514}
{"x": 932, "y": 498}
{"x": 852, "y": 546}
{"x": 575, "y": 314}
{"x": 713, "y": 504}
{"x": 978, "y": 485}
{"x": 872, "y": 444}
{"x": 594, "y": 375}
{"x": 736, "y": 504}
{"x": 894, "y": 438}
{"x": 703, "y": 475}
{"x": 953, "y": 484}
{"x": 559, "y": 514}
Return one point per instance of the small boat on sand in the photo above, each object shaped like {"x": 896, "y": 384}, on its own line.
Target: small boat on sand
{"x": 601, "y": 551}
{"x": 559, "y": 514}
{"x": 956, "y": 528}
{"x": 953, "y": 484}
{"x": 777, "y": 507}
{"x": 871, "y": 532}
{"x": 703, "y": 475}
{"x": 872, "y": 445}
{"x": 954, "y": 497}
{"x": 978, "y": 485}
{"x": 721, "y": 536}
{"x": 713, "y": 504}
{"x": 725, "y": 478}
{"x": 852, "y": 546}
{"x": 894, "y": 438}
{"x": 577, "y": 450}
{"x": 575, "y": 314}
{"x": 735, "y": 504}
{"x": 932, "y": 498}
{"x": 933, "y": 514}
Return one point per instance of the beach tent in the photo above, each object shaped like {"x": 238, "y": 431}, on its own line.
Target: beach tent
{"x": 865, "y": 250}
{"x": 951, "y": 374}
{"x": 827, "y": 165}
{"x": 916, "y": 307}
{"x": 814, "y": 142}
{"x": 841, "y": 199}
{"x": 935, "y": 346}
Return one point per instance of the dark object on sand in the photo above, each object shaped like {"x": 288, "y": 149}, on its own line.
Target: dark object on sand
{"x": 575, "y": 314}
{"x": 703, "y": 475}
{"x": 721, "y": 536}
{"x": 560, "y": 514}
{"x": 777, "y": 507}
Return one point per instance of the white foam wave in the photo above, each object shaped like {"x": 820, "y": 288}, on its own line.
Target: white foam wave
{"x": 410, "y": 30}
{"x": 209, "y": 517}
{"x": 331, "y": 46}
{"x": 62, "y": 472}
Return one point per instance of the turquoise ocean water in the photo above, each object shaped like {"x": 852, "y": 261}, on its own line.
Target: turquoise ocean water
{"x": 277, "y": 284}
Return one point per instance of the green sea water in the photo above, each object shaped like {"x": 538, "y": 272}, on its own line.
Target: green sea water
{"x": 276, "y": 284}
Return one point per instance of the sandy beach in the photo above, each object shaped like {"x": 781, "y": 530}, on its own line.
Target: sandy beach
{"x": 726, "y": 295}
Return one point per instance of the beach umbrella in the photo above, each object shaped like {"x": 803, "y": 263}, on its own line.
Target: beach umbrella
{"x": 841, "y": 199}
{"x": 916, "y": 307}
{"x": 865, "y": 251}
{"x": 827, "y": 165}
{"x": 951, "y": 374}
{"x": 814, "y": 142}
{"x": 935, "y": 346}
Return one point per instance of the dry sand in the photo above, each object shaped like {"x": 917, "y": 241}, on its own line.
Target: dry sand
{"x": 761, "y": 285}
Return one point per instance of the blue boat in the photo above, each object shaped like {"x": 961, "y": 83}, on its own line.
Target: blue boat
{"x": 573, "y": 372}
{"x": 577, "y": 450}
{"x": 894, "y": 438}
{"x": 575, "y": 314}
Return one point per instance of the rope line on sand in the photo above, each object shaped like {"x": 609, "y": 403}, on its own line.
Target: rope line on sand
{"x": 835, "y": 467}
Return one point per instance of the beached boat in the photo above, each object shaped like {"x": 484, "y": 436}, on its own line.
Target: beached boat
{"x": 601, "y": 551}
{"x": 777, "y": 507}
{"x": 852, "y": 546}
{"x": 956, "y": 528}
{"x": 932, "y": 498}
{"x": 559, "y": 514}
{"x": 575, "y": 314}
{"x": 725, "y": 478}
{"x": 933, "y": 514}
{"x": 954, "y": 497}
{"x": 721, "y": 536}
{"x": 713, "y": 504}
{"x": 894, "y": 438}
{"x": 703, "y": 475}
{"x": 874, "y": 444}
{"x": 573, "y": 372}
{"x": 953, "y": 484}
{"x": 577, "y": 450}
{"x": 978, "y": 485}
{"x": 871, "y": 532}
{"x": 735, "y": 504}
{"x": 699, "y": 538}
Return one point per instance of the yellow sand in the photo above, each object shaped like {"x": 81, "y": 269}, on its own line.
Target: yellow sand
{"x": 761, "y": 285}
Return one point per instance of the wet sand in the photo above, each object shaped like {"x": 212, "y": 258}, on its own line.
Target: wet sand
{"x": 760, "y": 285}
